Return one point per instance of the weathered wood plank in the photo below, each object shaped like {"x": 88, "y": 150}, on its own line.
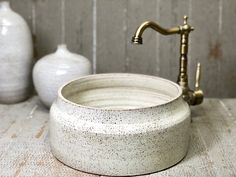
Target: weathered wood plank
{"x": 32, "y": 158}
{"x": 226, "y": 71}
{"x": 27, "y": 120}
{"x": 48, "y": 26}
{"x": 212, "y": 144}
{"x": 24, "y": 151}
{"x": 79, "y": 26}
{"x": 24, "y": 144}
{"x": 111, "y": 35}
{"x": 212, "y": 42}
{"x": 206, "y": 45}
{"x": 170, "y": 15}
{"x": 141, "y": 58}
{"x": 230, "y": 107}
{"x": 218, "y": 131}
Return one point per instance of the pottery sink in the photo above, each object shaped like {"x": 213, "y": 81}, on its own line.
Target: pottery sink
{"x": 119, "y": 124}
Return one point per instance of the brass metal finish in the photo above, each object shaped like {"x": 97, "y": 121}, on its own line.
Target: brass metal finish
{"x": 137, "y": 39}
{"x": 192, "y": 97}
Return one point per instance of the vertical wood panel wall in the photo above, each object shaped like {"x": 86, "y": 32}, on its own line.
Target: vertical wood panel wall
{"x": 102, "y": 29}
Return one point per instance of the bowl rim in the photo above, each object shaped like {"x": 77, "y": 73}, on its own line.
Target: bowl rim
{"x": 60, "y": 95}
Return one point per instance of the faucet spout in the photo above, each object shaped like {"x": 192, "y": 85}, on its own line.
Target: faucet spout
{"x": 137, "y": 38}
{"x": 193, "y": 97}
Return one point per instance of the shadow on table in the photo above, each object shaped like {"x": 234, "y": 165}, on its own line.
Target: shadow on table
{"x": 203, "y": 135}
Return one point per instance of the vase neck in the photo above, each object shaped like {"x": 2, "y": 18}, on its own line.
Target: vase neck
{"x": 5, "y": 6}
{"x": 62, "y": 49}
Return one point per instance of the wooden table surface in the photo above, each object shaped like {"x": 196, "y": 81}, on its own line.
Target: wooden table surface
{"x": 25, "y": 151}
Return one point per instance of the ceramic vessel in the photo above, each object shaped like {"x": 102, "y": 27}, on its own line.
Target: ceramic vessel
{"x": 53, "y": 70}
{"x": 16, "y": 53}
{"x": 119, "y": 124}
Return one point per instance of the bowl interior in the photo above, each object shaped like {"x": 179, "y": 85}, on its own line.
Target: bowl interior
{"x": 120, "y": 91}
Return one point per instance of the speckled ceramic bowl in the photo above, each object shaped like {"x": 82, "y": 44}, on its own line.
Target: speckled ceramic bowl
{"x": 120, "y": 124}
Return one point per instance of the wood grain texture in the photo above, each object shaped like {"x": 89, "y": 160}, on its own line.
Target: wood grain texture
{"x": 212, "y": 42}
{"x": 24, "y": 145}
{"x": 227, "y": 72}
{"x": 169, "y": 45}
{"x": 79, "y": 27}
{"x": 48, "y": 26}
{"x": 206, "y": 45}
{"x": 229, "y": 105}
{"x": 111, "y": 35}
{"x": 141, "y": 58}
{"x": 213, "y": 140}
{"x": 25, "y": 151}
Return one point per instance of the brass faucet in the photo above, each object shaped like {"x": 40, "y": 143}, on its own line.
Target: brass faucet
{"x": 193, "y": 97}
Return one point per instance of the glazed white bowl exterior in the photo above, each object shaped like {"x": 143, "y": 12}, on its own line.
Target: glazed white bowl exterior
{"x": 120, "y": 124}
{"x": 16, "y": 54}
{"x": 54, "y": 70}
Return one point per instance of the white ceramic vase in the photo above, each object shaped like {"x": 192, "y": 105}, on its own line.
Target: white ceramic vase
{"x": 16, "y": 53}
{"x": 120, "y": 124}
{"x": 53, "y": 70}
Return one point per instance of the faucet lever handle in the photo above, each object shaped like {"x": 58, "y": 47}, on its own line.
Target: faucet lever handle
{"x": 198, "y": 76}
{"x": 197, "y": 97}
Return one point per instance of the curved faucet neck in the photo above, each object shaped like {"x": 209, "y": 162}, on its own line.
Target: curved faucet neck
{"x": 137, "y": 38}
{"x": 156, "y": 27}
{"x": 192, "y": 97}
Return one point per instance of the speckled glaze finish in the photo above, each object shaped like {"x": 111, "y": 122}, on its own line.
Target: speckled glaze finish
{"x": 16, "y": 55}
{"x": 119, "y": 124}
{"x": 54, "y": 70}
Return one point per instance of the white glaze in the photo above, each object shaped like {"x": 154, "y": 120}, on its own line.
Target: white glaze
{"x": 119, "y": 124}
{"x": 53, "y": 70}
{"x": 15, "y": 56}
